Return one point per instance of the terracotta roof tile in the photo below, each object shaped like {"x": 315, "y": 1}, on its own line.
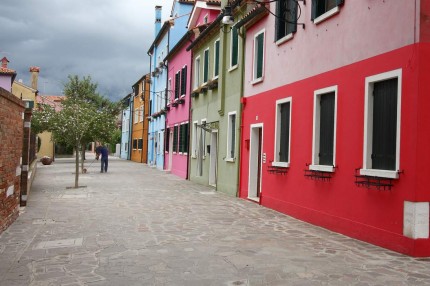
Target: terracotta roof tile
{"x": 7, "y": 71}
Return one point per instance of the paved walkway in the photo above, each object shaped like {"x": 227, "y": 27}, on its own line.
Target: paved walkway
{"x": 139, "y": 226}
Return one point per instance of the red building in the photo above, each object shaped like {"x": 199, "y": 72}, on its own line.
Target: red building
{"x": 336, "y": 126}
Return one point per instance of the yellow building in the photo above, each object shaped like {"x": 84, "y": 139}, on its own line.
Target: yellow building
{"x": 139, "y": 137}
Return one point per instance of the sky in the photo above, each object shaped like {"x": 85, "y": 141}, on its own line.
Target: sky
{"x": 105, "y": 39}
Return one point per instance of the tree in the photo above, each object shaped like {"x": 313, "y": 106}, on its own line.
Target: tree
{"x": 85, "y": 116}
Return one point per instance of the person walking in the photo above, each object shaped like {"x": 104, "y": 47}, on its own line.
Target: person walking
{"x": 104, "y": 153}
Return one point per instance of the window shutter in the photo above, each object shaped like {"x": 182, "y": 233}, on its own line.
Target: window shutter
{"x": 384, "y": 125}
{"x": 326, "y": 143}
{"x": 278, "y": 22}
{"x": 206, "y": 66}
{"x": 292, "y": 27}
{"x": 175, "y": 139}
{"x": 234, "y": 47}
{"x": 216, "y": 71}
{"x": 166, "y": 144}
{"x": 184, "y": 80}
{"x": 186, "y": 138}
{"x": 285, "y": 132}
{"x": 260, "y": 49}
{"x": 233, "y": 135}
{"x": 177, "y": 84}
{"x": 314, "y": 9}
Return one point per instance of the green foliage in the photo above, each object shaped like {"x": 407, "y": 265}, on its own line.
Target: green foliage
{"x": 85, "y": 116}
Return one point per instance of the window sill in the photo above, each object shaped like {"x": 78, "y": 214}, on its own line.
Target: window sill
{"x": 284, "y": 39}
{"x": 193, "y": 157}
{"x": 182, "y": 96}
{"x": 231, "y": 160}
{"x": 232, "y": 68}
{"x": 326, "y": 15}
{"x": 322, "y": 168}
{"x": 281, "y": 164}
{"x": 380, "y": 173}
{"x": 258, "y": 80}
{"x": 215, "y": 77}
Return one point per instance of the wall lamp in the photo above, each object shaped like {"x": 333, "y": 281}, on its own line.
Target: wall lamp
{"x": 228, "y": 18}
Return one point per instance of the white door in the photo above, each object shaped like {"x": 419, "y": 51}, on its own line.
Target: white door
{"x": 255, "y": 162}
{"x": 213, "y": 158}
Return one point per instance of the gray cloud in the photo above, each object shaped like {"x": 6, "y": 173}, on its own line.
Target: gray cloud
{"x": 107, "y": 39}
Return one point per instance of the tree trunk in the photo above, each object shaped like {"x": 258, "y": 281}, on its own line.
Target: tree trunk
{"x": 77, "y": 167}
{"x": 82, "y": 157}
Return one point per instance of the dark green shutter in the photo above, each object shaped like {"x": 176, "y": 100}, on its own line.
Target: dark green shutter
{"x": 234, "y": 47}
{"x": 285, "y": 132}
{"x": 186, "y": 138}
{"x": 292, "y": 16}
{"x": 184, "y": 81}
{"x": 233, "y": 135}
{"x": 384, "y": 138}
{"x": 259, "y": 51}
{"x": 175, "y": 139}
{"x": 326, "y": 144}
{"x": 177, "y": 84}
{"x": 314, "y": 9}
{"x": 206, "y": 66}
{"x": 216, "y": 71}
{"x": 166, "y": 144}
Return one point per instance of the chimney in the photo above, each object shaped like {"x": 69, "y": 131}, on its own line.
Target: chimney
{"x": 157, "y": 20}
{"x": 34, "y": 76}
{"x": 4, "y": 62}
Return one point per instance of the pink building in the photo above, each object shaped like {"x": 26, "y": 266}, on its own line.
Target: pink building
{"x": 178, "y": 108}
{"x": 179, "y": 62}
{"x": 335, "y": 118}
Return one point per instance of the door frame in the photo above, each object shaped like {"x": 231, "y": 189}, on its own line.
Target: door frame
{"x": 213, "y": 156}
{"x": 253, "y": 161}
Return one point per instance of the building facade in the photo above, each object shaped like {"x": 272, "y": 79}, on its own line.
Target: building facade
{"x": 176, "y": 145}
{"x": 160, "y": 93}
{"x": 139, "y": 141}
{"x": 335, "y": 123}
{"x": 126, "y": 127}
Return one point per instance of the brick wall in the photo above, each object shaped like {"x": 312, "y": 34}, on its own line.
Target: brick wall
{"x": 11, "y": 140}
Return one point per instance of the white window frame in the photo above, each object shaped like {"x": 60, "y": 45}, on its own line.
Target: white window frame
{"x": 228, "y": 158}
{"x": 316, "y": 129}
{"x": 276, "y": 161}
{"x": 216, "y": 59}
{"x": 368, "y": 124}
{"x": 203, "y": 121}
{"x": 194, "y": 140}
{"x": 136, "y": 115}
{"x": 141, "y": 113}
{"x": 321, "y": 18}
{"x": 197, "y": 64}
{"x": 254, "y": 66}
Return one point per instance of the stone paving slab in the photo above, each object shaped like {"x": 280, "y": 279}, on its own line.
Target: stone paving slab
{"x": 136, "y": 225}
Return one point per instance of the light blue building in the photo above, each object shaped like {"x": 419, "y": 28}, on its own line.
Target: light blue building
{"x": 126, "y": 128}
{"x": 167, "y": 35}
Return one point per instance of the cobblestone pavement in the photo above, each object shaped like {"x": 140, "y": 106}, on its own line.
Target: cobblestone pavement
{"x": 139, "y": 226}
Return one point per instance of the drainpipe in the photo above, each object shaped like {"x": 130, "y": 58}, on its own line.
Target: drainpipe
{"x": 242, "y": 105}
{"x": 150, "y": 92}
{"x": 165, "y": 100}
{"x": 190, "y": 88}
{"x": 130, "y": 125}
